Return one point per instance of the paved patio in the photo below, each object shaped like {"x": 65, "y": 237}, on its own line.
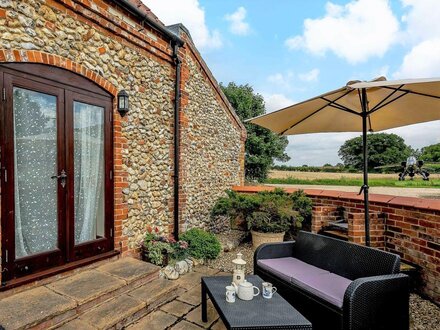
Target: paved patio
{"x": 111, "y": 295}
{"x": 127, "y": 294}
{"x": 122, "y": 294}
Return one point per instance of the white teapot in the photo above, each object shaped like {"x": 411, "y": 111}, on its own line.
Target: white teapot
{"x": 246, "y": 290}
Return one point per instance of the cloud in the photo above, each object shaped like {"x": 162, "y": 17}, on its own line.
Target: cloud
{"x": 276, "y": 101}
{"x": 286, "y": 80}
{"x": 312, "y": 75}
{"x": 381, "y": 72}
{"x": 281, "y": 79}
{"x": 316, "y": 149}
{"x": 192, "y": 15}
{"x": 421, "y": 20}
{"x": 417, "y": 136}
{"x": 355, "y": 32}
{"x": 423, "y": 33}
{"x": 422, "y": 61}
{"x": 238, "y": 25}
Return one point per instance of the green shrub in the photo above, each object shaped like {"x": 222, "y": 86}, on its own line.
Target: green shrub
{"x": 264, "y": 222}
{"x": 236, "y": 205}
{"x": 201, "y": 244}
{"x": 283, "y": 209}
{"x": 302, "y": 204}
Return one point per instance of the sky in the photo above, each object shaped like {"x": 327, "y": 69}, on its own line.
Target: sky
{"x": 292, "y": 50}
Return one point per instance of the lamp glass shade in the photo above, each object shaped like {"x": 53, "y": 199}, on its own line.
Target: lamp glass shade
{"x": 122, "y": 102}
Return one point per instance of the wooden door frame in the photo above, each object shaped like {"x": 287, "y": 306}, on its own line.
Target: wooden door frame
{"x": 67, "y": 81}
{"x": 40, "y": 261}
{"x": 89, "y": 249}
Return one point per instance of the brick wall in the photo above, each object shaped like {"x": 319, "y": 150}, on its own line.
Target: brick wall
{"x": 409, "y": 227}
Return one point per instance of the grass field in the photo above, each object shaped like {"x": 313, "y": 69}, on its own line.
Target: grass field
{"x": 349, "y": 179}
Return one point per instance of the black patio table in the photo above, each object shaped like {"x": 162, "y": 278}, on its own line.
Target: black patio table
{"x": 258, "y": 313}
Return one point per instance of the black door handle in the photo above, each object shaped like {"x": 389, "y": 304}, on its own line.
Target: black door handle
{"x": 62, "y": 177}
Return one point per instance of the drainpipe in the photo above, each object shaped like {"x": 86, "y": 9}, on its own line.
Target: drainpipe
{"x": 178, "y": 63}
{"x": 176, "y": 42}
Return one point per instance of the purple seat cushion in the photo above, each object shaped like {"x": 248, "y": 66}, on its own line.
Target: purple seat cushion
{"x": 320, "y": 282}
{"x": 329, "y": 287}
{"x": 289, "y": 267}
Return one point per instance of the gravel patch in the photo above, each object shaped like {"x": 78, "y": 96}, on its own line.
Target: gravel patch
{"x": 224, "y": 261}
{"x": 231, "y": 239}
{"x": 424, "y": 315}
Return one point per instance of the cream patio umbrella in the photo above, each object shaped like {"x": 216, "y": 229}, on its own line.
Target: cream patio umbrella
{"x": 360, "y": 107}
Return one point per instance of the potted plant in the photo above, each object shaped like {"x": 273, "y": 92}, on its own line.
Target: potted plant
{"x": 161, "y": 250}
{"x": 266, "y": 228}
{"x": 274, "y": 216}
{"x": 269, "y": 215}
{"x": 155, "y": 250}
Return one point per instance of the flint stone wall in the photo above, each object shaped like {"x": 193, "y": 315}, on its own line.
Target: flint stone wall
{"x": 210, "y": 146}
{"x": 212, "y": 150}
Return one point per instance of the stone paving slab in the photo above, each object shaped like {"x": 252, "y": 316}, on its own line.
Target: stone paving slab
{"x": 154, "y": 290}
{"x": 87, "y": 286}
{"x": 177, "y": 308}
{"x": 190, "y": 280}
{"x": 155, "y": 321}
{"x": 112, "y": 312}
{"x": 219, "y": 325}
{"x": 32, "y": 307}
{"x": 195, "y": 316}
{"x": 206, "y": 271}
{"x": 76, "y": 325}
{"x": 185, "y": 325}
{"x": 129, "y": 269}
{"x": 192, "y": 296}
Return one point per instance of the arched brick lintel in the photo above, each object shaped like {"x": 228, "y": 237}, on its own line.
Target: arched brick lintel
{"x": 35, "y": 56}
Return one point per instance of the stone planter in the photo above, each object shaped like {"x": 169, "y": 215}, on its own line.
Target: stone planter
{"x": 261, "y": 238}
{"x": 144, "y": 256}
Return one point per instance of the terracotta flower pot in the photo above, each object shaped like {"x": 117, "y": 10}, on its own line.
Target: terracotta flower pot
{"x": 261, "y": 238}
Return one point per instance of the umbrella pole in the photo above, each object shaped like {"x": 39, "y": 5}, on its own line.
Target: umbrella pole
{"x": 365, "y": 187}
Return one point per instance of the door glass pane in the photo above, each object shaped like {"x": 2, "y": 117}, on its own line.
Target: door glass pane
{"x": 89, "y": 171}
{"x": 35, "y": 143}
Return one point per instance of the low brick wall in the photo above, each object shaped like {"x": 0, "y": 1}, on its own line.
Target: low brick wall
{"x": 407, "y": 226}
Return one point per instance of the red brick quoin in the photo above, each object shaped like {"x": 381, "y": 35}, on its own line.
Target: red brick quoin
{"x": 120, "y": 176}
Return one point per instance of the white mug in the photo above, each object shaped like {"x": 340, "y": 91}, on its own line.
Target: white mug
{"x": 268, "y": 290}
{"x": 230, "y": 294}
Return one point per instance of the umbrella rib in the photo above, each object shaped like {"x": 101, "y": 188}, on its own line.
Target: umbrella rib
{"x": 316, "y": 111}
{"x": 340, "y": 106}
{"x": 390, "y": 101}
{"x": 386, "y": 98}
{"x": 416, "y": 93}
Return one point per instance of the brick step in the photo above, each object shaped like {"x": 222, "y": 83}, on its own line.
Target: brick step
{"x": 61, "y": 301}
{"x": 335, "y": 234}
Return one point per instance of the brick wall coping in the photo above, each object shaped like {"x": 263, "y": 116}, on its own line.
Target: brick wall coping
{"x": 395, "y": 201}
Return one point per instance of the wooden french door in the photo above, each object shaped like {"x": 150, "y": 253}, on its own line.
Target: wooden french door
{"x": 56, "y": 172}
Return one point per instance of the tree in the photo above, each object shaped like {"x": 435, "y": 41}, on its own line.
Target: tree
{"x": 262, "y": 146}
{"x": 431, "y": 153}
{"x": 383, "y": 149}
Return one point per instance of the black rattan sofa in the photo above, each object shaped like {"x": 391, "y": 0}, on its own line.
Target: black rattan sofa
{"x": 337, "y": 284}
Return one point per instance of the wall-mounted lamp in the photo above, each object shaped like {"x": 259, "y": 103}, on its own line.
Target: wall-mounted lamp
{"x": 123, "y": 103}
